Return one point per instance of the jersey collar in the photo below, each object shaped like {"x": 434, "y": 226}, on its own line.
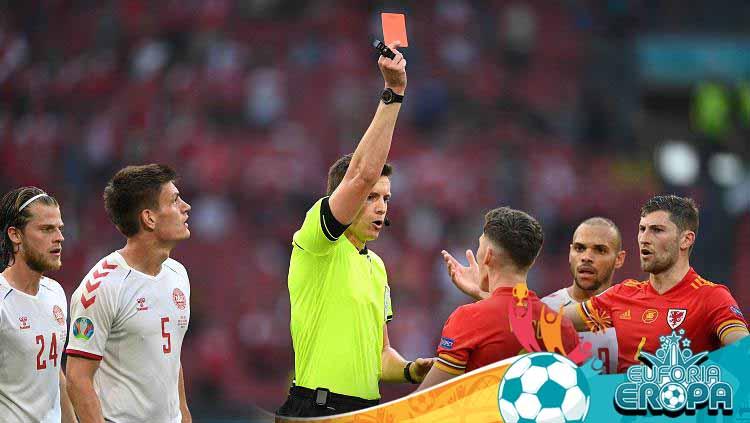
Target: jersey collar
{"x": 502, "y": 291}
{"x": 508, "y": 291}
{"x": 42, "y": 285}
{"x": 689, "y": 277}
{"x": 363, "y": 251}
{"x": 121, "y": 260}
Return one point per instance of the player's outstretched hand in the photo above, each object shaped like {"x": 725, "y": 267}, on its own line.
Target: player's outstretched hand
{"x": 420, "y": 368}
{"x": 466, "y": 278}
{"x": 394, "y": 70}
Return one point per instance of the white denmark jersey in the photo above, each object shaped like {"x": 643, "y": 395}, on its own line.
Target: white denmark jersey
{"x": 134, "y": 323}
{"x": 603, "y": 345}
{"x": 32, "y": 338}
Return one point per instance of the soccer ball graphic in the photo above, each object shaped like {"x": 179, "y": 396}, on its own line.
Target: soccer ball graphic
{"x": 544, "y": 388}
{"x": 673, "y": 396}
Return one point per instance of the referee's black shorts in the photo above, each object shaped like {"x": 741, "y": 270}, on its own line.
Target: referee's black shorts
{"x": 304, "y": 402}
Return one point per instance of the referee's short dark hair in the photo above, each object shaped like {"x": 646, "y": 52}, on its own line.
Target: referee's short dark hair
{"x": 338, "y": 170}
{"x": 517, "y": 233}
{"x": 133, "y": 189}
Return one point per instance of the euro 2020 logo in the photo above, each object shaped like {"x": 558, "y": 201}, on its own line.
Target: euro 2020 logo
{"x": 674, "y": 383}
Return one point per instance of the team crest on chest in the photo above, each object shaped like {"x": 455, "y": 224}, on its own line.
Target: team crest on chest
{"x": 179, "y": 299}
{"x": 59, "y": 315}
{"x": 675, "y": 317}
{"x": 25, "y": 322}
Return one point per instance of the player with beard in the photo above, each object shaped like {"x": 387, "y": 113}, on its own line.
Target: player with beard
{"x": 480, "y": 333}
{"x": 33, "y": 310}
{"x": 595, "y": 253}
{"x": 674, "y": 298}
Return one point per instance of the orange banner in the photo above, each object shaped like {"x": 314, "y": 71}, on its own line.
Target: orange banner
{"x": 468, "y": 398}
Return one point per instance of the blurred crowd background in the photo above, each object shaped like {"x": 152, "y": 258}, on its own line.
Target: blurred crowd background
{"x": 564, "y": 108}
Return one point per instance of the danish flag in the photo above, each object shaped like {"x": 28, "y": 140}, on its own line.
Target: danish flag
{"x": 91, "y": 287}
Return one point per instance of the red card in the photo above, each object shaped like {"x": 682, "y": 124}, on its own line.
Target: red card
{"x": 394, "y": 28}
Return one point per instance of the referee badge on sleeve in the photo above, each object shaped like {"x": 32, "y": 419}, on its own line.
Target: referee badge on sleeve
{"x": 387, "y": 307}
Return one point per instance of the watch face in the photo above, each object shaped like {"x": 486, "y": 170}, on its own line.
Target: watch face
{"x": 387, "y": 96}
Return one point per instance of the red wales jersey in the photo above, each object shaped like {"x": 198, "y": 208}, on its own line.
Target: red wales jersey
{"x": 478, "y": 334}
{"x": 705, "y": 310}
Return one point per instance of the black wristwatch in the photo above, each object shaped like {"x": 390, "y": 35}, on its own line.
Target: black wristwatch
{"x": 407, "y": 375}
{"x": 388, "y": 97}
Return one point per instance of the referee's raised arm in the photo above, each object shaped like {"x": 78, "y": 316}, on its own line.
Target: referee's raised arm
{"x": 372, "y": 151}
{"x": 338, "y": 288}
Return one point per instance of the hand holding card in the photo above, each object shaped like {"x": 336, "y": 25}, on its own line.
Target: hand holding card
{"x": 393, "y": 69}
{"x": 392, "y": 63}
{"x": 383, "y": 49}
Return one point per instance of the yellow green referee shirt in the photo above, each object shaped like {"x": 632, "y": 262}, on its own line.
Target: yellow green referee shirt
{"x": 340, "y": 301}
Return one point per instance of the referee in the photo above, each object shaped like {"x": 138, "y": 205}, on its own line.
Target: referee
{"x": 338, "y": 289}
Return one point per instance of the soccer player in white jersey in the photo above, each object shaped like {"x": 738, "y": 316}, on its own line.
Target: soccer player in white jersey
{"x": 32, "y": 310}
{"x": 595, "y": 253}
{"x": 131, "y": 311}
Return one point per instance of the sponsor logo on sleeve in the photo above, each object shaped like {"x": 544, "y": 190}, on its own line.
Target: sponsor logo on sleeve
{"x": 446, "y": 343}
{"x": 83, "y": 328}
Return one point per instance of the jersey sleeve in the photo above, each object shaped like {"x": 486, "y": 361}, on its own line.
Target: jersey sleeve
{"x": 724, "y": 315}
{"x": 455, "y": 342}
{"x": 92, "y": 314}
{"x": 597, "y": 310}
{"x": 320, "y": 230}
